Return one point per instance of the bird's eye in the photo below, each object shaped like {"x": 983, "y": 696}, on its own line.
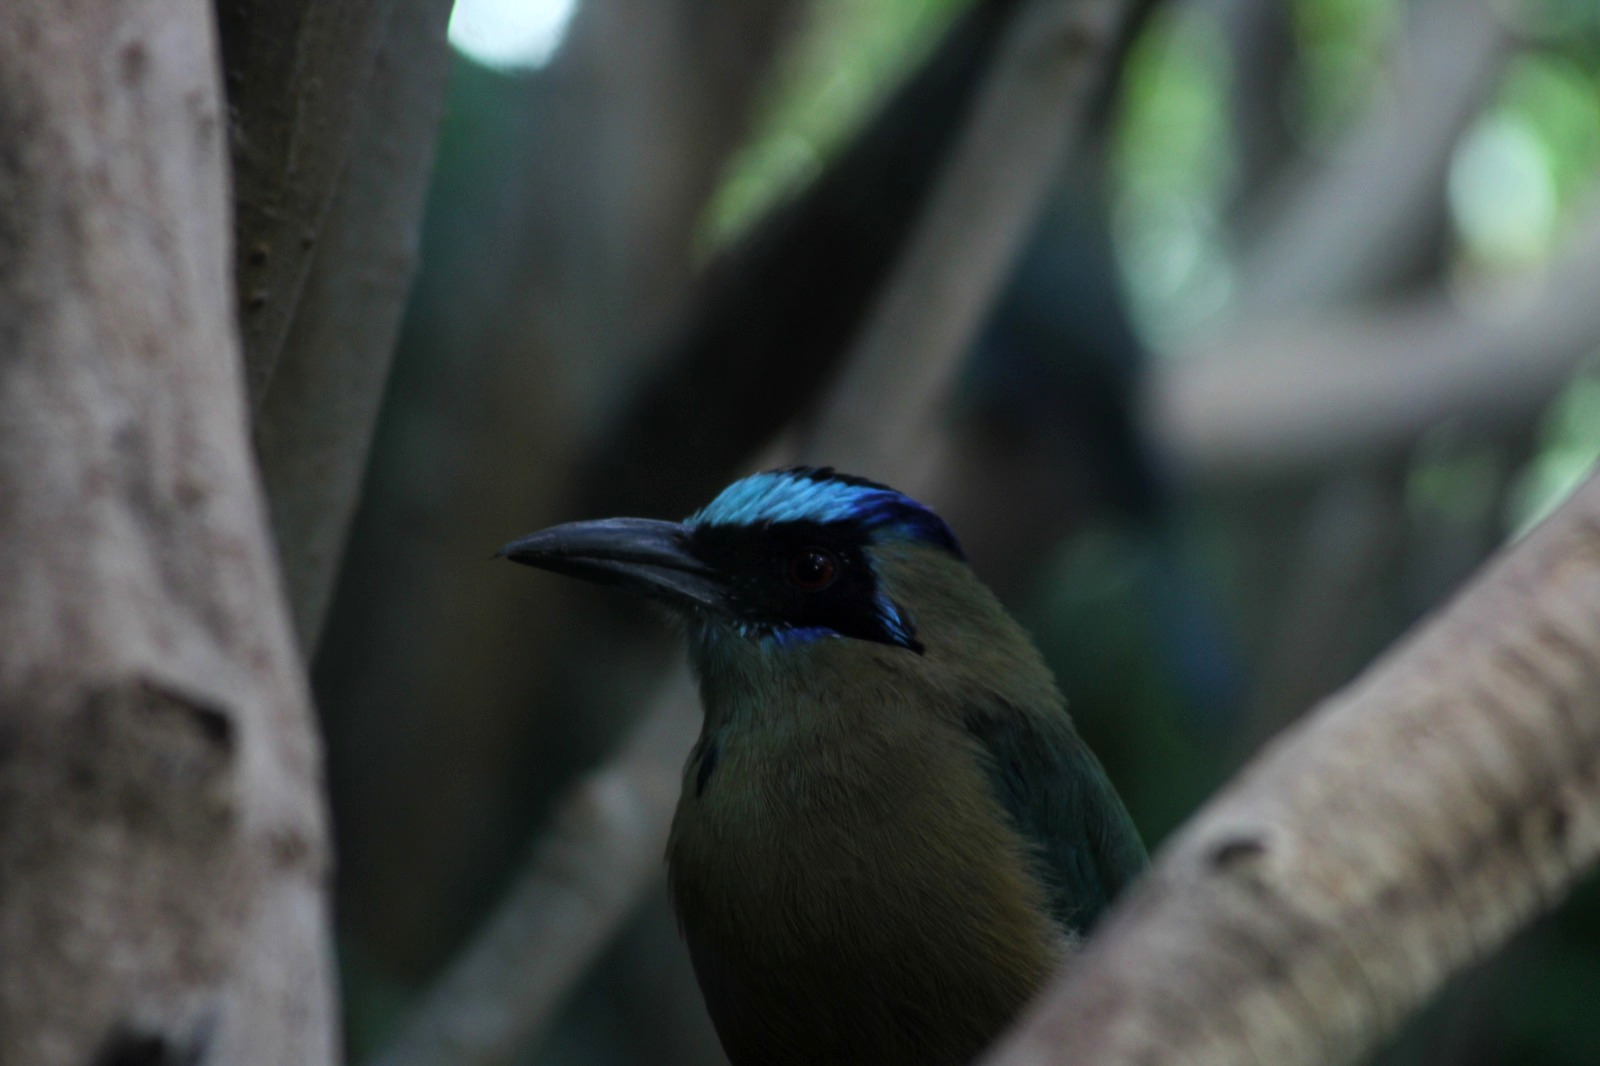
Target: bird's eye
{"x": 813, "y": 569}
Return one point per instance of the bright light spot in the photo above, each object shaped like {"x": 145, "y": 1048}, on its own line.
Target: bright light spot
{"x": 1502, "y": 191}
{"x": 510, "y": 35}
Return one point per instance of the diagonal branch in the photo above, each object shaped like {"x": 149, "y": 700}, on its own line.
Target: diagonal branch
{"x": 587, "y": 875}
{"x": 1404, "y": 830}
{"x": 581, "y": 879}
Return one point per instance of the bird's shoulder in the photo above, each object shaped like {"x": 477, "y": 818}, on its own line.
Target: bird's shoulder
{"x": 1058, "y": 796}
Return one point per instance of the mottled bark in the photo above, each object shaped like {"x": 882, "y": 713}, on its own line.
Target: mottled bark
{"x": 162, "y": 849}
{"x": 1405, "y": 830}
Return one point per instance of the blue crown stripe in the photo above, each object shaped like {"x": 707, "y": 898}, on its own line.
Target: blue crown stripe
{"x": 803, "y": 494}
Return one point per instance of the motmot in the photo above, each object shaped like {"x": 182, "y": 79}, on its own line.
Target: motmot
{"x": 889, "y": 833}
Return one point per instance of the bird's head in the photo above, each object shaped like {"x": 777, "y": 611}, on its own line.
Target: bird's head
{"x": 782, "y": 558}
{"x": 802, "y": 567}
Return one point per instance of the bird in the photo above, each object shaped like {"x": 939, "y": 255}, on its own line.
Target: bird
{"x": 889, "y": 833}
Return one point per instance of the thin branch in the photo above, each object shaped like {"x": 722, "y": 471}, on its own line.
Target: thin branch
{"x": 509, "y": 982}
{"x": 1263, "y": 55}
{"x": 314, "y": 425}
{"x": 585, "y": 875}
{"x": 1322, "y": 392}
{"x": 1417, "y": 819}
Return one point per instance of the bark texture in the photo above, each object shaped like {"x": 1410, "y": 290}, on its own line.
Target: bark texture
{"x": 162, "y": 848}
{"x": 1405, "y": 830}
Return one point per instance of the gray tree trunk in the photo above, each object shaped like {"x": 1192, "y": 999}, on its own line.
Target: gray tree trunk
{"x": 163, "y": 850}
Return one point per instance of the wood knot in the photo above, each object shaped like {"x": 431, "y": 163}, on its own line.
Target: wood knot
{"x": 135, "y": 60}
{"x": 130, "y": 1045}
{"x": 1234, "y": 853}
{"x": 1556, "y": 821}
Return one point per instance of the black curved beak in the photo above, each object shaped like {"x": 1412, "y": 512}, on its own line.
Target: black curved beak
{"x": 646, "y": 555}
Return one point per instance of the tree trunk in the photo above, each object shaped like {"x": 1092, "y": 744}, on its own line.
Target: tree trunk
{"x": 162, "y": 846}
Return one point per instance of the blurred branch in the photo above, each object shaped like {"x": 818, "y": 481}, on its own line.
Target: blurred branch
{"x": 775, "y": 314}
{"x": 1349, "y": 227}
{"x": 515, "y": 973}
{"x": 1263, "y": 56}
{"x": 1350, "y": 536}
{"x": 297, "y": 73}
{"x": 1415, "y": 821}
{"x": 585, "y": 874}
{"x": 1322, "y": 392}
{"x": 315, "y": 422}
{"x": 1029, "y": 109}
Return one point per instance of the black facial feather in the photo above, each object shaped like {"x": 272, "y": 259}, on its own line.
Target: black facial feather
{"x": 756, "y": 563}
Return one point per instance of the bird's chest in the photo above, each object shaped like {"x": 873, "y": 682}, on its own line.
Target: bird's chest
{"x": 856, "y": 899}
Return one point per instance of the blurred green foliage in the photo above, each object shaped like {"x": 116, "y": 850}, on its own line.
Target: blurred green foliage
{"x": 847, "y": 56}
{"x": 1171, "y": 173}
{"x": 1342, "y": 47}
{"x": 1529, "y": 165}
{"x": 1569, "y": 449}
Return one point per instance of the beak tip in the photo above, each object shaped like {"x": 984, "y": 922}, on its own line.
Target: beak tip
{"x": 518, "y": 551}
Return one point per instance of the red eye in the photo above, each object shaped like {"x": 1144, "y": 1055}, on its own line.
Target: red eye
{"x": 813, "y": 569}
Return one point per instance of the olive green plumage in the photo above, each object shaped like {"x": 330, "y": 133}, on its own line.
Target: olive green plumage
{"x": 886, "y": 842}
